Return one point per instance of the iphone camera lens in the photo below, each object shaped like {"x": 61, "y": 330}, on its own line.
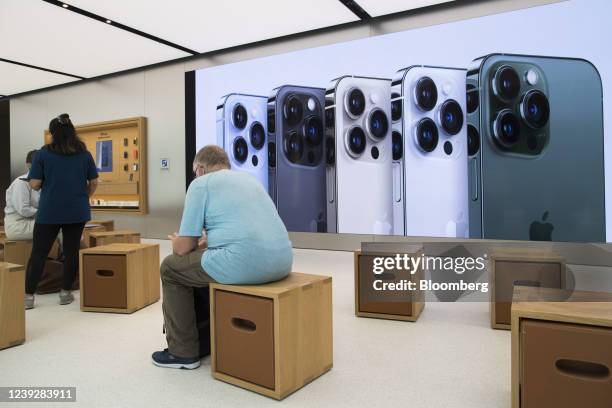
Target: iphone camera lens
{"x": 397, "y": 145}
{"x": 473, "y": 140}
{"x": 507, "y": 83}
{"x": 451, "y": 117}
{"x": 294, "y": 147}
{"x": 356, "y": 102}
{"x": 427, "y": 135}
{"x": 257, "y": 135}
{"x": 396, "y": 107}
{"x": 535, "y": 109}
{"x": 426, "y": 94}
{"x": 313, "y": 131}
{"x": 378, "y": 124}
{"x": 293, "y": 110}
{"x": 241, "y": 149}
{"x": 239, "y": 116}
{"x": 506, "y": 128}
{"x": 356, "y": 141}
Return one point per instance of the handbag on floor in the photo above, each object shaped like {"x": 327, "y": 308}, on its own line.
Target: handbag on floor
{"x": 51, "y": 278}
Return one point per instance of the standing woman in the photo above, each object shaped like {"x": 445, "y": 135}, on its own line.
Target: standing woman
{"x": 66, "y": 174}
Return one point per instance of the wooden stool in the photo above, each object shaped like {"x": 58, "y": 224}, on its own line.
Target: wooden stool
{"x": 119, "y": 278}
{"x": 561, "y": 348}
{"x": 88, "y": 230}
{"x": 12, "y": 307}
{"x": 274, "y": 338}
{"x": 99, "y": 238}
{"x": 520, "y": 267}
{"x": 17, "y": 252}
{"x": 404, "y": 305}
{"x": 108, "y": 225}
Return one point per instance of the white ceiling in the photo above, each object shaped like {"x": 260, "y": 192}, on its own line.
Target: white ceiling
{"x": 41, "y": 34}
{"x": 212, "y": 25}
{"x": 377, "y": 8}
{"x": 16, "y": 78}
{"x": 37, "y": 33}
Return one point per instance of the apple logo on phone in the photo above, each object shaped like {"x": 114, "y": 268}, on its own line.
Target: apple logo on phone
{"x": 541, "y": 231}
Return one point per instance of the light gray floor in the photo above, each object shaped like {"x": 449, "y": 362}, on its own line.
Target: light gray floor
{"x": 449, "y": 358}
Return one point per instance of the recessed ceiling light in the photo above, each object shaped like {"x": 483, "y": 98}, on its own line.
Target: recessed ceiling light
{"x": 108, "y": 22}
{"x": 64, "y": 5}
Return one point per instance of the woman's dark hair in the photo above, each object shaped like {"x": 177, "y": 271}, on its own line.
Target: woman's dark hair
{"x": 65, "y": 140}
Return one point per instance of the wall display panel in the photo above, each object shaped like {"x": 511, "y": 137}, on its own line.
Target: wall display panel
{"x": 454, "y": 130}
{"x": 119, "y": 150}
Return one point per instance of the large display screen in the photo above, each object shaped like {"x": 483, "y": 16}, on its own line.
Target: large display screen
{"x": 491, "y": 127}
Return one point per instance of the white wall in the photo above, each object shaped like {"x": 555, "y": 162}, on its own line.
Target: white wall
{"x": 159, "y": 95}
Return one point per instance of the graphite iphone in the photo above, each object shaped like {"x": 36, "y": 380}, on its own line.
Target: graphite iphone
{"x": 296, "y": 157}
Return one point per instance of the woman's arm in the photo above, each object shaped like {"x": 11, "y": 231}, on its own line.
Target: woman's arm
{"x": 35, "y": 184}
{"x": 92, "y": 186}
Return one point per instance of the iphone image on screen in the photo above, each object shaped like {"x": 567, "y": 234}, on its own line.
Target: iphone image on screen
{"x": 536, "y": 166}
{"x": 241, "y": 131}
{"x": 359, "y": 156}
{"x": 297, "y": 157}
{"x": 430, "y": 175}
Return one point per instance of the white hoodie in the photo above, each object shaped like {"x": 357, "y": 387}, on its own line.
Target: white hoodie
{"x": 21, "y": 199}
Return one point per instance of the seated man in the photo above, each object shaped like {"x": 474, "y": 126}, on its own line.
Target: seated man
{"x": 247, "y": 244}
{"x": 21, "y": 206}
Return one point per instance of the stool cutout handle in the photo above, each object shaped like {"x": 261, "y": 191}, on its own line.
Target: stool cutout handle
{"x": 531, "y": 283}
{"x": 105, "y": 273}
{"x": 244, "y": 324}
{"x": 582, "y": 369}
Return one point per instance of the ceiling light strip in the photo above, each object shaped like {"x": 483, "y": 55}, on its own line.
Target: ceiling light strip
{"x": 23, "y": 64}
{"x": 356, "y": 9}
{"x": 108, "y": 21}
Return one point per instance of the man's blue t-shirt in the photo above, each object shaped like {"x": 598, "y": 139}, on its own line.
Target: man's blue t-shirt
{"x": 247, "y": 241}
{"x": 63, "y": 197}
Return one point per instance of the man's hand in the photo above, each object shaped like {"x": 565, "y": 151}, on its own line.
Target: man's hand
{"x": 203, "y": 241}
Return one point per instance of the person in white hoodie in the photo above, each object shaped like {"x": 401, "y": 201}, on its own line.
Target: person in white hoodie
{"x": 21, "y": 206}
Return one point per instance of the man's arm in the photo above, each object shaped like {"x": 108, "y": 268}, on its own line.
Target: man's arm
{"x": 35, "y": 184}
{"x": 22, "y": 200}
{"x": 183, "y": 245}
{"x": 192, "y": 222}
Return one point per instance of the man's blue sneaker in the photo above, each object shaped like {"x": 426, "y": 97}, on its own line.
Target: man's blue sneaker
{"x": 165, "y": 359}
